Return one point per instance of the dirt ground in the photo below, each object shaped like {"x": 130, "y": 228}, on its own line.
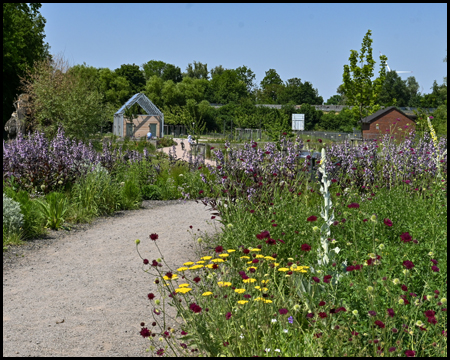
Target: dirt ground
{"x": 83, "y": 292}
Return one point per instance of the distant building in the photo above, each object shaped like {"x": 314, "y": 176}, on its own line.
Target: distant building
{"x": 389, "y": 120}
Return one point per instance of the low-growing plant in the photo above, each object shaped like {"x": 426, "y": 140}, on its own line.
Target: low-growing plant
{"x": 53, "y": 209}
{"x": 151, "y": 192}
{"x": 12, "y": 215}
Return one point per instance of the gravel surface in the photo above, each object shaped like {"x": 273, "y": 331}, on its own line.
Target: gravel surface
{"x": 83, "y": 292}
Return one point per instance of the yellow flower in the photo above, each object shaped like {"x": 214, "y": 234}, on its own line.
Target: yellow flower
{"x": 206, "y": 257}
{"x": 283, "y": 269}
{"x": 207, "y": 293}
{"x": 292, "y": 259}
{"x": 224, "y": 255}
{"x": 255, "y": 249}
{"x": 231, "y": 250}
{"x": 200, "y": 262}
{"x": 267, "y": 301}
{"x": 189, "y": 263}
{"x": 396, "y": 281}
{"x": 183, "y": 290}
{"x": 276, "y": 264}
{"x": 245, "y": 257}
{"x": 264, "y": 281}
{"x": 251, "y": 267}
{"x": 259, "y": 299}
{"x": 239, "y": 291}
{"x": 174, "y": 276}
{"x": 195, "y": 267}
{"x": 217, "y": 260}
{"x": 259, "y": 256}
{"x": 249, "y": 262}
{"x": 183, "y": 285}
{"x": 401, "y": 301}
{"x": 372, "y": 255}
{"x": 210, "y": 266}
{"x": 249, "y": 280}
{"x": 242, "y": 302}
{"x": 223, "y": 283}
{"x": 257, "y": 287}
{"x": 269, "y": 258}
{"x": 182, "y": 269}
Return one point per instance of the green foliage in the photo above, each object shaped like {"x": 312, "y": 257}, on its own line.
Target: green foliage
{"x": 134, "y": 75}
{"x": 65, "y": 98}
{"x": 335, "y": 100}
{"x": 151, "y": 192}
{"x": 23, "y": 44}
{"x": 359, "y": 88}
{"x": 394, "y": 91}
{"x": 196, "y": 71}
{"x": 116, "y": 89}
{"x": 130, "y": 196}
{"x": 12, "y": 215}
{"x": 54, "y": 209}
{"x": 228, "y": 87}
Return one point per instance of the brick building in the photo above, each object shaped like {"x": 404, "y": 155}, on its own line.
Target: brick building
{"x": 389, "y": 120}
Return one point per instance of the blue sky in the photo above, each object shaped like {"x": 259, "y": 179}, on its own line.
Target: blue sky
{"x": 308, "y": 41}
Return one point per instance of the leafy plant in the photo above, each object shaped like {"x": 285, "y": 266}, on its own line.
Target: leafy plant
{"x": 54, "y": 209}
{"x": 12, "y": 215}
{"x": 151, "y": 192}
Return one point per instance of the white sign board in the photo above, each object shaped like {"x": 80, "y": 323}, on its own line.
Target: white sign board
{"x": 298, "y": 122}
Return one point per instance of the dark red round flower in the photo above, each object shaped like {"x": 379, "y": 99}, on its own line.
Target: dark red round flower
{"x": 322, "y": 303}
{"x": 406, "y": 237}
{"x": 145, "y": 261}
{"x": 435, "y": 268}
{"x": 218, "y": 249}
{"x": 305, "y": 247}
{"x": 195, "y": 308}
{"x": 410, "y": 353}
{"x": 310, "y": 315}
{"x": 350, "y": 268}
{"x": 151, "y": 296}
{"x": 408, "y": 264}
{"x": 312, "y": 218}
{"x": 154, "y": 237}
{"x": 391, "y": 312}
{"x": 160, "y": 352}
{"x": 316, "y": 279}
{"x": 353, "y": 206}
{"x": 380, "y": 324}
{"x": 327, "y": 278}
{"x": 228, "y": 315}
{"x": 283, "y": 311}
{"x": 319, "y": 140}
{"x": 387, "y": 222}
{"x": 145, "y": 332}
{"x": 271, "y": 241}
{"x": 323, "y": 315}
{"x": 404, "y": 287}
{"x": 434, "y": 261}
{"x": 196, "y": 279}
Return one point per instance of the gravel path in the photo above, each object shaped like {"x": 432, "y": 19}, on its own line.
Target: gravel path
{"x": 83, "y": 293}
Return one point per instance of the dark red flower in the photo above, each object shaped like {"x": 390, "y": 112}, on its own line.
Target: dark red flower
{"x": 183, "y": 332}
{"x": 434, "y": 261}
{"x": 319, "y": 140}
{"x": 145, "y": 332}
{"x": 274, "y": 225}
{"x": 169, "y": 275}
{"x": 350, "y": 268}
{"x": 343, "y": 309}
{"x": 264, "y": 234}
{"x": 196, "y": 279}
{"x": 391, "y": 312}
{"x": 312, "y": 218}
{"x": 218, "y": 249}
{"x": 392, "y": 349}
{"x": 228, "y": 315}
{"x": 160, "y": 352}
{"x": 380, "y": 324}
{"x": 283, "y": 311}
{"x": 353, "y": 206}
{"x": 305, "y": 247}
{"x": 310, "y": 315}
{"x": 318, "y": 335}
{"x": 246, "y": 251}
{"x": 429, "y": 313}
{"x": 408, "y": 264}
{"x": 322, "y": 303}
{"x": 435, "y": 268}
{"x": 316, "y": 279}
{"x": 323, "y": 315}
{"x": 247, "y": 296}
{"x": 195, "y": 308}
{"x": 404, "y": 287}
{"x": 145, "y": 261}
{"x": 255, "y": 261}
{"x": 372, "y": 313}
{"x": 215, "y": 266}
{"x": 343, "y": 220}
{"x": 410, "y": 353}
{"x": 154, "y": 236}
{"x": 354, "y": 333}
{"x": 327, "y": 278}
{"x": 226, "y": 343}
{"x": 432, "y": 320}
{"x": 271, "y": 241}
{"x": 151, "y": 296}
{"x": 405, "y": 237}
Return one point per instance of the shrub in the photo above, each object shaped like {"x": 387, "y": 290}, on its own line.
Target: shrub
{"x": 54, "y": 209}
{"x": 12, "y": 216}
{"x": 151, "y": 192}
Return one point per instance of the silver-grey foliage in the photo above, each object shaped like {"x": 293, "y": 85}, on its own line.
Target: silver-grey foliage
{"x": 12, "y": 216}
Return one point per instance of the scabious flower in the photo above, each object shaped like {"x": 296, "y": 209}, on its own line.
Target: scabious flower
{"x": 195, "y": 308}
{"x": 228, "y": 315}
{"x": 283, "y": 311}
{"x": 391, "y": 312}
{"x": 406, "y": 237}
{"x": 410, "y": 353}
{"x": 327, "y": 278}
{"x": 434, "y": 268}
{"x": 312, "y": 218}
{"x": 316, "y": 279}
{"x": 154, "y": 237}
{"x": 380, "y": 324}
{"x": 306, "y": 247}
{"x": 408, "y": 264}
{"x": 353, "y": 206}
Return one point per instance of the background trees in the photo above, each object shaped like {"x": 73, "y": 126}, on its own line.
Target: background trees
{"x": 23, "y": 44}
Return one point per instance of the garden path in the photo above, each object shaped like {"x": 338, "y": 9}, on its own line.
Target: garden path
{"x": 84, "y": 293}
{"x": 183, "y": 154}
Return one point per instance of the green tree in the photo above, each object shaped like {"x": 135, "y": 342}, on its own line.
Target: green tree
{"x": 153, "y": 90}
{"x": 171, "y": 95}
{"x": 271, "y": 78}
{"x": 217, "y": 71}
{"x": 334, "y": 100}
{"x": 394, "y": 91}
{"x": 61, "y": 97}
{"x": 227, "y": 87}
{"x": 312, "y": 116}
{"x": 412, "y": 87}
{"x": 115, "y": 88}
{"x": 172, "y": 72}
{"x": 246, "y": 75}
{"x": 134, "y": 75}
{"x": 360, "y": 90}
{"x": 197, "y": 71}
{"x": 152, "y": 68}
{"x": 23, "y": 44}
